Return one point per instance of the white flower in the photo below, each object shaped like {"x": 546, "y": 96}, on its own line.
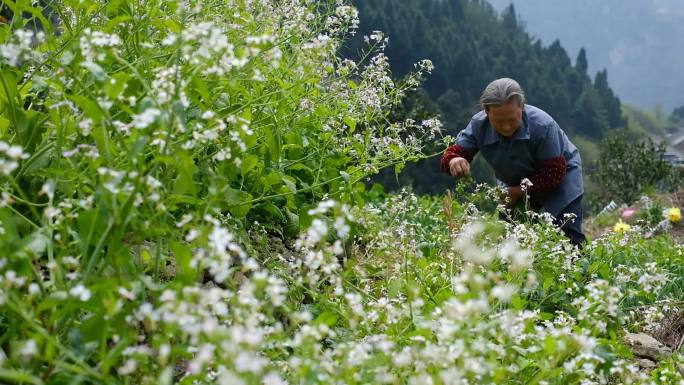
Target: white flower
{"x": 219, "y": 240}
{"x": 192, "y": 235}
{"x": 48, "y": 189}
{"x": 33, "y": 288}
{"x": 145, "y": 118}
{"x": 92, "y": 41}
{"x": 20, "y": 47}
{"x": 519, "y": 259}
{"x": 422, "y": 379}
{"x": 7, "y": 167}
{"x": 322, "y": 207}
{"x": 86, "y": 126}
{"x": 316, "y": 232}
{"x": 222, "y": 154}
{"x": 273, "y": 379}
{"x": 402, "y": 358}
{"x": 81, "y": 292}
{"x": 525, "y": 184}
{"x": 29, "y": 349}
{"x": 126, "y": 293}
{"x": 169, "y": 40}
{"x": 229, "y": 378}
{"x": 11, "y": 53}
{"x": 342, "y": 228}
{"x": 503, "y": 292}
{"x": 248, "y": 362}
{"x": 205, "y": 354}
{"x": 185, "y": 219}
{"x": 16, "y": 152}
{"x": 128, "y": 367}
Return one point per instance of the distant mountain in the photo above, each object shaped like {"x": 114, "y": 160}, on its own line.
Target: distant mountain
{"x": 639, "y": 42}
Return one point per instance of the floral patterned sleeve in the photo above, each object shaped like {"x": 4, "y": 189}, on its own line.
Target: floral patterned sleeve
{"x": 548, "y": 176}
{"x": 452, "y": 152}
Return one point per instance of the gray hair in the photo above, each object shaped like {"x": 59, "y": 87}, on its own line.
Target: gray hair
{"x": 502, "y": 91}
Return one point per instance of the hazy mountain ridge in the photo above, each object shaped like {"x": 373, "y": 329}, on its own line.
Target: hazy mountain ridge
{"x": 640, "y": 42}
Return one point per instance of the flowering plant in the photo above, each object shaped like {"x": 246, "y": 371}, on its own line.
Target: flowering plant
{"x": 179, "y": 204}
{"x": 674, "y": 215}
{"x": 621, "y": 227}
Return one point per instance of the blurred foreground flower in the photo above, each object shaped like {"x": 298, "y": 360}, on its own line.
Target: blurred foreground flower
{"x": 621, "y": 227}
{"x": 674, "y": 215}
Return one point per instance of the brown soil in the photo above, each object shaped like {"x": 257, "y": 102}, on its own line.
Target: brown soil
{"x": 593, "y": 230}
{"x": 671, "y": 331}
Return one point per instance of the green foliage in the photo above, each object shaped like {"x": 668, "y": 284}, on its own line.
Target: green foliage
{"x": 140, "y": 142}
{"x": 180, "y": 204}
{"x": 524, "y": 269}
{"x": 625, "y": 169}
{"x": 641, "y": 122}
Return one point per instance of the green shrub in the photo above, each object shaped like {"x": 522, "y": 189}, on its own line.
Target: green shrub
{"x": 625, "y": 169}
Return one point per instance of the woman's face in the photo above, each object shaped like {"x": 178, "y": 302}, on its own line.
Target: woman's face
{"x": 505, "y": 118}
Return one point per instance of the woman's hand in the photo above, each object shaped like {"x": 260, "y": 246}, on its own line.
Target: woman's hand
{"x": 459, "y": 167}
{"x": 512, "y": 196}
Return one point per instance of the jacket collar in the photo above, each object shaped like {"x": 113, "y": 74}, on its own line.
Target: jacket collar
{"x": 491, "y": 136}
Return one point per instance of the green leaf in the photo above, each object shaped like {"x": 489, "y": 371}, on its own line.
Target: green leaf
{"x": 293, "y": 225}
{"x": 300, "y": 166}
{"x": 4, "y": 127}
{"x": 273, "y": 177}
{"x": 395, "y": 288}
{"x": 517, "y": 302}
{"x": 90, "y": 225}
{"x": 18, "y": 377}
{"x": 327, "y": 317}
{"x": 545, "y": 316}
{"x": 351, "y": 123}
{"x": 95, "y": 70}
{"x": 238, "y": 202}
{"x": 272, "y": 144}
{"x": 91, "y": 328}
{"x": 116, "y": 85}
{"x": 90, "y": 107}
{"x": 550, "y": 344}
{"x": 249, "y": 162}
{"x": 201, "y": 87}
{"x": 112, "y": 23}
{"x": 273, "y": 210}
{"x": 291, "y": 183}
{"x": 185, "y": 181}
{"x": 27, "y": 124}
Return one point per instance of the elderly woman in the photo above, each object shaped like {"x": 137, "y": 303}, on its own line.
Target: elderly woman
{"x": 520, "y": 142}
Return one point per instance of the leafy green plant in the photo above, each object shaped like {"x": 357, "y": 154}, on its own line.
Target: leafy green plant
{"x": 625, "y": 169}
{"x": 179, "y": 204}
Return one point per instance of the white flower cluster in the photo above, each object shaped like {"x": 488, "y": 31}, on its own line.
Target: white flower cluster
{"x": 20, "y": 49}
{"x": 344, "y": 20}
{"x": 81, "y": 292}
{"x": 600, "y": 303}
{"x": 208, "y": 46}
{"x": 145, "y": 118}
{"x": 94, "y": 44}
{"x": 10, "y": 155}
{"x": 169, "y": 85}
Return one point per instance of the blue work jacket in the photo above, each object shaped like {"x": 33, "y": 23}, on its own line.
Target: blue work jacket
{"x": 538, "y": 138}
